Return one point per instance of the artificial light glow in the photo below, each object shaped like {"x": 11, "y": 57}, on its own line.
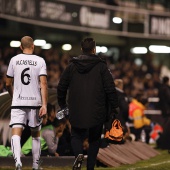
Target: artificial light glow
{"x": 67, "y": 47}
{"x": 138, "y": 61}
{"x": 15, "y": 43}
{"x": 39, "y": 42}
{"x": 139, "y": 50}
{"x": 46, "y": 46}
{"x": 159, "y": 49}
{"x": 98, "y": 49}
{"x": 103, "y": 49}
{"x": 117, "y": 20}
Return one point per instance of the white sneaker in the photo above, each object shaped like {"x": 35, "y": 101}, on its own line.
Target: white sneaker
{"x": 18, "y": 167}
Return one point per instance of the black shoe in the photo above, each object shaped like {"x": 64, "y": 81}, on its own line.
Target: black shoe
{"x": 78, "y": 162}
{"x": 19, "y": 167}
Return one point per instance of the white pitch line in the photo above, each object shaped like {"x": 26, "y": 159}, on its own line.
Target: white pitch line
{"x": 152, "y": 165}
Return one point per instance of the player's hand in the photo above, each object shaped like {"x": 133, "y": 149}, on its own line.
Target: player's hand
{"x": 42, "y": 111}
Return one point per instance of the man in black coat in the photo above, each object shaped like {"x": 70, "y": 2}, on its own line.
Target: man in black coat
{"x": 90, "y": 88}
{"x": 164, "y": 97}
{"x": 164, "y": 105}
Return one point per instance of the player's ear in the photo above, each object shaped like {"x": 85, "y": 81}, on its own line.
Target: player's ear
{"x": 33, "y": 46}
{"x": 94, "y": 50}
{"x": 21, "y": 47}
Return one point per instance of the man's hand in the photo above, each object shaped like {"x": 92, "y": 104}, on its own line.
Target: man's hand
{"x": 42, "y": 111}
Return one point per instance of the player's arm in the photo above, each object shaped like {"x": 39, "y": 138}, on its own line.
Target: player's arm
{"x": 9, "y": 78}
{"x": 44, "y": 95}
{"x": 9, "y": 85}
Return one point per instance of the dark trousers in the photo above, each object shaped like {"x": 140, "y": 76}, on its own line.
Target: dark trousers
{"x": 94, "y": 135}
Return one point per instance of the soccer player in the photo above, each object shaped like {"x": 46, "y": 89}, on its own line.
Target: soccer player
{"x": 26, "y": 83}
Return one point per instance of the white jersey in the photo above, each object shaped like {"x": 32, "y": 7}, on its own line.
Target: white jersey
{"x": 26, "y": 69}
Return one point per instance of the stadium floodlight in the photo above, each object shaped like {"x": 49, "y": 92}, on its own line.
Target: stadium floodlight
{"x": 139, "y": 50}
{"x": 159, "y": 49}
{"x": 67, "y": 47}
{"x": 98, "y": 49}
{"x": 103, "y": 49}
{"x": 117, "y": 20}
{"x": 39, "y": 42}
{"x": 15, "y": 43}
{"x": 46, "y": 46}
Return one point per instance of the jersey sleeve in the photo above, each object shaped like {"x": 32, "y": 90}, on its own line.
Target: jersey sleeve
{"x": 43, "y": 70}
{"x": 10, "y": 71}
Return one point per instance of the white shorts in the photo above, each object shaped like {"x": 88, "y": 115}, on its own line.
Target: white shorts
{"x": 20, "y": 117}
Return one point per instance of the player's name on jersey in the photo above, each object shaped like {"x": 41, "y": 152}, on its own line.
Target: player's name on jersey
{"x": 26, "y": 62}
{"x": 27, "y": 98}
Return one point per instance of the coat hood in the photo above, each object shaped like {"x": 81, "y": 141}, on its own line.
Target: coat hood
{"x": 84, "y": 63}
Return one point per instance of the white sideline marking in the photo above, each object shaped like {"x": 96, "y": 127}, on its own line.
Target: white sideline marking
{"x": 149, "y": 165}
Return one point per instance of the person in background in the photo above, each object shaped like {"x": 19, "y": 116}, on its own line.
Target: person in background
{"x": 164, "y": 105}
{"x": 164, "y": 97}
{"x": 64, "y": 145}
{"x": 49, "y": 136}
{"x": 123, "y": 105}
{"x": 90, "y": 87}
{"x": 50, "y": 116}
{"x": 26, "y": 83}
{"x": 139, "y": 119}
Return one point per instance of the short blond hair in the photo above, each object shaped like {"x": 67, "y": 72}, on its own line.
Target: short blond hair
{"x": 119, "y": 83}
{"x": 26, "y": 42}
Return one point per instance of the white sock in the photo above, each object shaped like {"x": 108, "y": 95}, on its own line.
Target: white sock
{"x": 16, "y": 149}
{"x": 36, "y": 151}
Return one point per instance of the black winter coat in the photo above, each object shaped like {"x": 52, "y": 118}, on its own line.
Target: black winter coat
{"x": 90, "y": 85}
{"x": 164, "y": 99}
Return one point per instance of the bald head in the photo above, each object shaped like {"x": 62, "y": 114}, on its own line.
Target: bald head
{"x": 27, "y": 43}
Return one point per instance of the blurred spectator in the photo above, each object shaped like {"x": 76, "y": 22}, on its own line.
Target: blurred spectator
{"x": 51, "y": 114}
{"x": 164, "y": 104}
{"x": 156, "y": 132}
{"x": 136, "y": 115}
{"x": 123, "y": 102}
{"x": 2, "y": 86}
{"x": 3, "y": 66}
{"x": 164, "y": 97}
{"x": 64, "y": 145}
{"x": 64, "y": 61}
{"x": 49, "y": 138}
{"x": 54, "y": 72}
